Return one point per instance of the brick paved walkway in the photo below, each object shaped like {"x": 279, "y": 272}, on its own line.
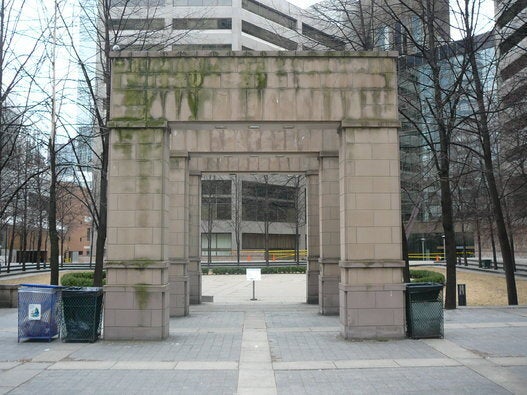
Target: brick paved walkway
{"x": 272, "y": 347}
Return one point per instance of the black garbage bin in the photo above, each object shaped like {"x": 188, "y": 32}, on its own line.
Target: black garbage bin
{"x": 38, "y": 311}
{"x": 81, "y": 314}
{"x": 424, "y": 310}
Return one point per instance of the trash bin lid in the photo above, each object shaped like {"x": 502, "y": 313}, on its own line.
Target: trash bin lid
{"x": 79, "y": 290}
{"x": 40, "y": 286}
{"x": 423, "y": 287}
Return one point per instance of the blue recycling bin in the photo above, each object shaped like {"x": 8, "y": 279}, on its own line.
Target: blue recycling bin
{"x": 38, "y": 311}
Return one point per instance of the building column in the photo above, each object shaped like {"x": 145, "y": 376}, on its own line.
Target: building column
{"x": 371, "y": 289}
{"x": 179, "y": 234}
{"x": 194, "y": 269}
{"x": 136, "y": 290}
{"x": 329, "y": 228}
{"x": 313, "y": 238}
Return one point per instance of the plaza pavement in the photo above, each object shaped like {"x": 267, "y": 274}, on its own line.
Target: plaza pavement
{"x": 275, "y": 345}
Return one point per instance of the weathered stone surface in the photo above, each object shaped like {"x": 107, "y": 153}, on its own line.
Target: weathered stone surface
{"x": 330, "y": 116}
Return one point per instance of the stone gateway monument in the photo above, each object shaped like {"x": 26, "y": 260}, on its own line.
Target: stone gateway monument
{"x": 330, "y": 116}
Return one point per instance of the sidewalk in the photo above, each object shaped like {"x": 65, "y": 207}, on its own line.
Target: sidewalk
{"x": 274, "y": 345}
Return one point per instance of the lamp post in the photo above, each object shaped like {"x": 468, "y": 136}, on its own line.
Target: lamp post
{"x": 423, "y": 248}
{"x": 444, "y": 248}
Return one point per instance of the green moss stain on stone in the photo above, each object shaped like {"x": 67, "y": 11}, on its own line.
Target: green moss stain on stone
{"x": 125, "y": 149}
{"x": 143, "y": 184}
{"x": 134, "y": 97}
{"x": 178, "y": 99}
{"x": 326, "y": 97}
{"x": 141, "y": 294}
{"x": 125, "y": 135}
{"x": 193, "y": 102}
{"x": 261, "y": 80}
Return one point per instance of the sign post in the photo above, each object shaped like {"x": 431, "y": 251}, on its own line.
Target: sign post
{"x": 254, "y": 275}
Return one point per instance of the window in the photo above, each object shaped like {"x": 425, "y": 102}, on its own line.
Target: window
{"x": 220, "y": 244}
{"x": 88, "y": 234}
{"x": 202, "y": 24}
{"x": 417, "y": 30}
{"x": 268, "y": 202}
{"x": 137, "y": 24}
{"x": 216, "y": 200}
{"x": 256, "y": 241}
{"x": 382, "y": 38}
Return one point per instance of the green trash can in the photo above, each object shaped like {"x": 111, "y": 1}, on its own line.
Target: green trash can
{"x": 424, "y": 310}
{"x": 485, "y": 263}
{"x": 81, "y": 314}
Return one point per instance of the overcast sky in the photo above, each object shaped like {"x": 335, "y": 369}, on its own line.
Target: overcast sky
{"x": 303, "y": 3}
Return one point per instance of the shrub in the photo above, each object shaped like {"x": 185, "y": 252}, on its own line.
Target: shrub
{"x": 265, "y": 270}
{"x": 426, "y": 276}
{"x": 79, "y": 279}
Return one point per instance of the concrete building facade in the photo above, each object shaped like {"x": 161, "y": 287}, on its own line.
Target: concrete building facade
{"x": 183, "y": 25}
{"x": 332, "y": 117}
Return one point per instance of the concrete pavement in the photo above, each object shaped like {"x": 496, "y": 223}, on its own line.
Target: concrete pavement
{"x": 276, "y": 345}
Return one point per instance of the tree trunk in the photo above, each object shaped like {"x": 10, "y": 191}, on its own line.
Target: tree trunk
{"x": 465, "y": 261}
{"x": 406, "y": 269}
{"x": 103, "y": 212}
{"x": 52, "y": 218}
{"x": 493, "y": 244}
{"x": 478, "y": 235}
{"x": 450, "y": 243}
{"x": 484, "y": 133}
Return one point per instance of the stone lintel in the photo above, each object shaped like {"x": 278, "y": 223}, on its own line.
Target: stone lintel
{"x": 329, "y": 261}
{"x": 328, "y": 154}
{"x": 366, "y": 264}
{"x": 128, "y": 287}
{"x": 179, "y": 154}
{"x": 178, "y": 261}
{"x": 370, "y": 123}
{"x": 195, "y": 173}
{"x": 128, "y": 124}
{"x": 138, "y": 265}
{"x": 253, "y": 54}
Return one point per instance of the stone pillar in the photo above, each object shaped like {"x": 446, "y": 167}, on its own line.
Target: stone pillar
{"x": 179, "y": 234}
{"x": 136, "y": 294}
{"x": 371, "y": 289}
{"x": 194, "y": 269}
{"x": 329, "y": 234}
{"x": 313, "y": 238}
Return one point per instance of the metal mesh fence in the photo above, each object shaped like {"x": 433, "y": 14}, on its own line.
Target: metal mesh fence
{"x": 38, "y": 311}
{"x": 424, "y": 310}
{"x": 81, "y": 314}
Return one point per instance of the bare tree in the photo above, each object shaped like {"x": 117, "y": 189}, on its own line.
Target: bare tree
{"x": 111, "y": 25}
{"x": 481, "y": 117}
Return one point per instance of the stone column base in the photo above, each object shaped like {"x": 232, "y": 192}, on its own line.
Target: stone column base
{"x": 136, "y": 301}
{"x": 194, "y": 274}
{"x": 136, "y": 312}
{"x": 178, "y": 281}
{"x": 312, "y": 274}
{"x": 328, "y": 287}
{"x": 372, "y": 300}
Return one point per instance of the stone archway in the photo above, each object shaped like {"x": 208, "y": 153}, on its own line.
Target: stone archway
{"x": 331, "y": 116}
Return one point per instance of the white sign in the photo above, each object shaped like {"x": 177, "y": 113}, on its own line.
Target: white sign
{"x": 254, "y": 274}
{"x": 34, "y": 312}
